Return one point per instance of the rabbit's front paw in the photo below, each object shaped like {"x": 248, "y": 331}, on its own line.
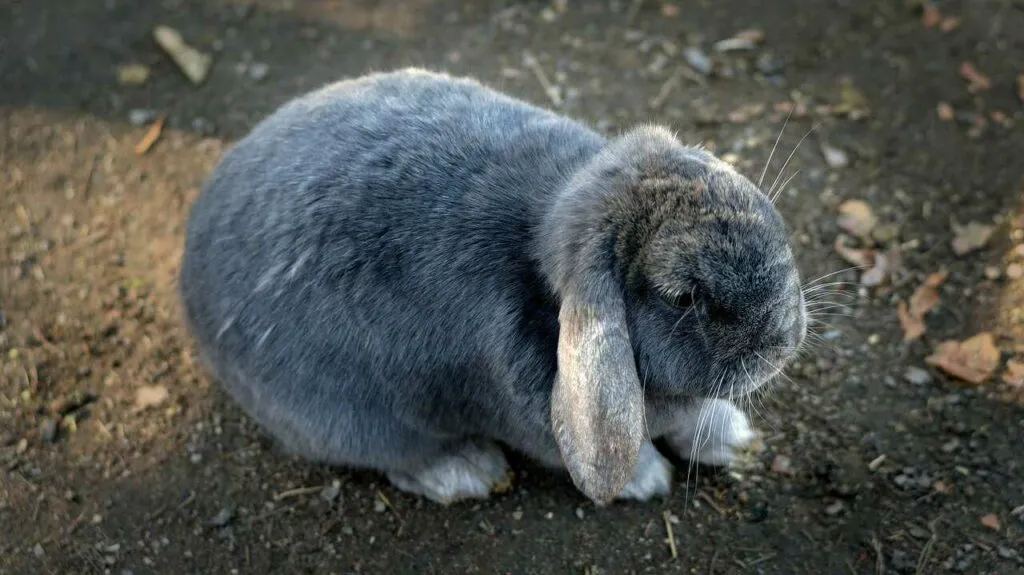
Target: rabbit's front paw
{"x": 712, "y": 433}
{"x": 470, "y": 473}
{"x": 653, "y": 476}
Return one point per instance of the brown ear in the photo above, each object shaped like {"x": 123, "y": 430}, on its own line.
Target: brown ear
{"x": 597, "y": 401}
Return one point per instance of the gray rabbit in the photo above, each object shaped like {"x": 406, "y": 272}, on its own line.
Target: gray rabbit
{"x": 401, "y": 271}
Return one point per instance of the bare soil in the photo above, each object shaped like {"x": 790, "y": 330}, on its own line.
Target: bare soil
{"x": 863, "y": 468}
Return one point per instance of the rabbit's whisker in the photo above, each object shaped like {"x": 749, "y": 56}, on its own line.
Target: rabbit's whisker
{"x": 775, "y": 147}
{"x": 791, "y": 154}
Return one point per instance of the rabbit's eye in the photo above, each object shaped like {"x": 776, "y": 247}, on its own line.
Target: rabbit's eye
{"x": 681, "y": 301}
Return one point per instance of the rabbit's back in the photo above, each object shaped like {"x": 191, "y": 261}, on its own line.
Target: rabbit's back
{"x": 368, "y": 244}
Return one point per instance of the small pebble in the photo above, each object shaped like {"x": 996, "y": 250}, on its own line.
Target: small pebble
{"x": 835, "y": 509}
{"x": 917, "y": 376}
{"x": 993, "y": 273}
{"x": 579, "y": 513}
{"x": 48, "y": 430}
{"x": 1006, "y": 552}
{"x": 782, "y": 464}
{"x": 38, "y": 551}
{"x": 258, "y": 71}
{"x": 1014, "y": 271}
{"x": 379, "y": 506}
{"x": 331, "y": 492}
{"x": 834, "y": 157}
{"x": 222, "y": 518}
{"x": 697, "y": 60}
{"x": 139, "y": 117}
{"x": 769, "y": 64}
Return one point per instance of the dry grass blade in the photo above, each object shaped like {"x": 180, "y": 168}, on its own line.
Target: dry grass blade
{"x": 152, "y": 135}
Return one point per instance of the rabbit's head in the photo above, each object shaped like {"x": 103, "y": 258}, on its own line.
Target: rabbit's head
{"x": 675, "y": 277}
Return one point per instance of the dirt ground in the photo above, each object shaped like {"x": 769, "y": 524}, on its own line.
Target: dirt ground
{"x": 118, "y": 455}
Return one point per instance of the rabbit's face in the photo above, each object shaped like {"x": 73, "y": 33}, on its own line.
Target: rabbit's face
{"x": 714, "y": 295}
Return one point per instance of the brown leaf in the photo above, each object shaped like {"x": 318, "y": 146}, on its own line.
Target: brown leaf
{"x": 971, "y": 237}
{"x": 878, "y": 272}
{"x": 150, "y": 396}
{"x": 973, "y": 360}
{"x": 945, "y": 111}
{"x": 856, "y": 218}
{"x": 976, "y": 81}
{"x": 861, "y": 258}
{"x": 927, "y": 295}
{"x": 991, "y": 521}
{"x": 913, "y": 326}
{"x": 1014, "y": 374}
{"x": 152, "y": 135}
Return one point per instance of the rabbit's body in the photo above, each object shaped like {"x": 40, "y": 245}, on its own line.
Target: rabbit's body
{"x": 370, "y": 274}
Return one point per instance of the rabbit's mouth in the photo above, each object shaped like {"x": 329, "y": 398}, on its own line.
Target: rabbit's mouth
{"x": 747, "y": 375}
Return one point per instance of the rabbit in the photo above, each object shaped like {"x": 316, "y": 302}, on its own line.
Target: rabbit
{"x": 411, "y": 272}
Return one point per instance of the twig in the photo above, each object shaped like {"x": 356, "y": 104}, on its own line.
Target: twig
{"x": 667, "y": 88}
{"x": 297, "y": 492}
{"x": 191, "y": 494}
{"x": 398, "y": 516}
{"x": 88, "y": 177}
{"x": 879, "y": 560}
{"x": 550, "y": 89}
{"x": 762, "y": 559}
{"x": 922, "y": 560}
{"x": 711, "y": 564}
{"x": 707, "y": 499}
{"x": 671, "y": 536}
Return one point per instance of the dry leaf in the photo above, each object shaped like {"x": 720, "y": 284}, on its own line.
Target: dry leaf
{"x": 973, "y": 360}
{"x": 945, "y": 111}
{"x": 856, "y": 218}
{"x": 1014, "y": 374}
{"x": 151, "y": 136}
{"x": 924, "y": 298}
{"x": 150, "y": 396}
{"x": 927, "y": 294}
{"x": 913, "y": 326}
{"x": 976, "y": 81}
{"x": 193, "y": 63}
{"x": 991, "y": 521}
{"x": 133, "y": 74}
{"x": 878, "y": 272}
{"x": 669, "y": 10}
{"x": 971, "y": 237}
{"x": 861, "y": 258}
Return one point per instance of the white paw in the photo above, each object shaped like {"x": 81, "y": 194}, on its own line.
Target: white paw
{"x": 653, "y": 476}
{"x": 712, "y": 433}
{"x": 469, "y": 474}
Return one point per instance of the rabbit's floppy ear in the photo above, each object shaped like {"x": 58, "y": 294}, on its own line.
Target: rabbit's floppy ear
{"x": 597, "y": 402}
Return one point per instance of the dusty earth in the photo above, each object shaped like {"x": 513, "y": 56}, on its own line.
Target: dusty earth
{"x": 118, "y": 455}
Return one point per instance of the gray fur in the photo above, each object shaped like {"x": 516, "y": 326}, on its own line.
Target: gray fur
{"x": 377, "y": 273}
